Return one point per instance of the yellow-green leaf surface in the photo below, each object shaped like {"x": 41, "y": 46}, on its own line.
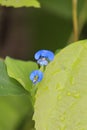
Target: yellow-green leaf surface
{"x": 9, "y": 86}
{"x": 20, "y": 70}
{"x": 20, "y": 3}
{"x": 61, "y": 99}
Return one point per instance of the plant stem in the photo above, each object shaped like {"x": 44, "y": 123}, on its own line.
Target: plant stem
{"x": 75, "y": 19}
{"x": 81, "y": 21}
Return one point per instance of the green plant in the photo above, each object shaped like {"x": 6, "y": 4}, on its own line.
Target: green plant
{"x": 60, "y": 100}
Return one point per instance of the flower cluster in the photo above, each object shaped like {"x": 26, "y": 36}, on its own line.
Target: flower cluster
{"x": 43, "y": 57}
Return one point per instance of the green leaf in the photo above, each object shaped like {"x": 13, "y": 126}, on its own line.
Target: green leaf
{"x": 20, "y": 3}
{"x": 14, "y": 110}
{"x": 20, "y": 70}
{"x": 9, "y": 86}
{"x": 62, "y": 95}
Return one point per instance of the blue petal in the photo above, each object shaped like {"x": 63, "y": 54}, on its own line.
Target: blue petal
{"x": 38, "y": 54}
{"x": 37, "y": 73}
{"x": 32, "y": 75}
{"x": 44, "y": 53}
{"x": 50, "y": 55}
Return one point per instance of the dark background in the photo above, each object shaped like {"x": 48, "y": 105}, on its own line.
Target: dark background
{"x": 23, "y": 31}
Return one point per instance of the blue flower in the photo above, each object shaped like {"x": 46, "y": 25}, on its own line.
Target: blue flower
{"x": 36, "y": 76}
{"x": 43, "y": 57}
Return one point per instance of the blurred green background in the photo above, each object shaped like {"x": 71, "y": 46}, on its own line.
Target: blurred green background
{"x": 23, "y": 31}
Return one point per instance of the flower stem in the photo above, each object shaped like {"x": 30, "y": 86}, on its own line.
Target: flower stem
{"x": 75, "y": 19}
{"x": 81, "y": 21}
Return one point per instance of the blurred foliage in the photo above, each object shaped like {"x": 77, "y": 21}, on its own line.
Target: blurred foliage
{"x": 12, "y": 111}
{"x": 53, "y": 23}
{"x": 48, "y": 27}
{"x": 61, "y": 7}
{"x": 15, "y": 101}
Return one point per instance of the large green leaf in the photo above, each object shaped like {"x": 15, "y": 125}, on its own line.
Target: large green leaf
{"x": 9, "y": 86}
{"x": 20, "y": 3}
{"x": 20, "y": 70}
{"x": 62, "y": 95}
